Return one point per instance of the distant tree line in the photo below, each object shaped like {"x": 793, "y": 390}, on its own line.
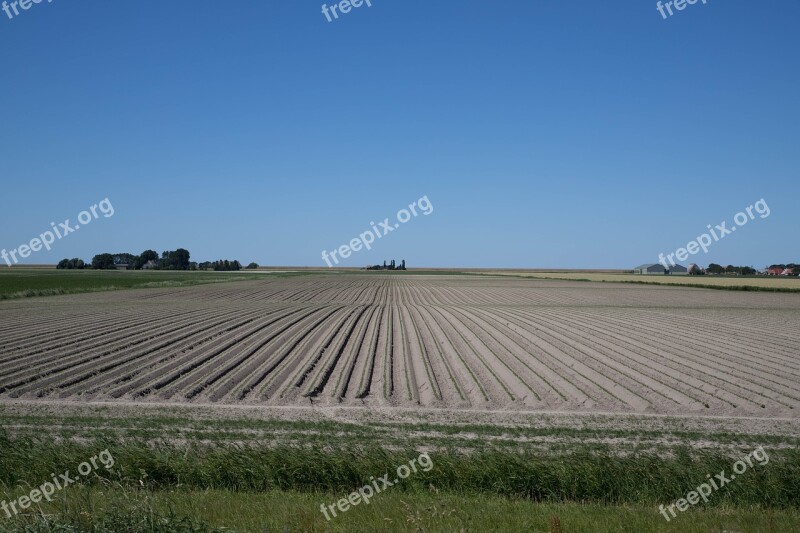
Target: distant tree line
{"x": 714, "y": 268}
{"x": 149, "y": 259}
{"x": 70, "y": 264}
{"x": 220, "y": 266}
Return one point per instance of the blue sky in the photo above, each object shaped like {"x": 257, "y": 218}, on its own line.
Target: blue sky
{"x": 546, "y": 134}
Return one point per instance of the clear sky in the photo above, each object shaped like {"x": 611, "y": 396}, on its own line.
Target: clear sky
{"x": 577, "y": 134}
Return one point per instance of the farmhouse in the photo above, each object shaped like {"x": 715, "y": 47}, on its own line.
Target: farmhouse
{"x": 695, "y": 270}
{"x": 780, "y": 270}
{"x": 658, "y": 268}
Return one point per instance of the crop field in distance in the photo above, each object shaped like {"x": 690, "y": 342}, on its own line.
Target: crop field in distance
{"x": 756, "y": 283}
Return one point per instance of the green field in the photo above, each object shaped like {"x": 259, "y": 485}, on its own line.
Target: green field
{"x": 115, "y": 509}
{"x": 21, "y": 282}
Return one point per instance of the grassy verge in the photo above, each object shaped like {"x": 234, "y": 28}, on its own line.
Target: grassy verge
{"x": 534, "y": 433}
{"x": 175, "y": 483}
{"x": 113, "y": 509}
{"x": 25, "y": 283}
{"x": 588, "y": 476}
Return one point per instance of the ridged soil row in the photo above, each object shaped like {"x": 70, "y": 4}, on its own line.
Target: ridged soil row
{"x": 428, "y": 388}
{"x": 223, "y": 380}
{"x": 193, "y": 383}
{"x": 712, "y": 365}
{"x": 357, "y": 356}
{"x": 727, "y": 335}
{"x": 405, "y": 372}
{"x": 560, "y": 392}
{"x": 493, "y": 381}
{"x": 93, "y": 361}
{"x": 708, "y": 389}
{"x": 451, "y": 385}
{"x": 468, "y": 381}
{"x": 643, "y": 391}
{"x": 318, "y": 373}
{"x": 779, "y": 326}
{"x": 373, "y": 386}
{"x": 513, "y": 370}
{"x": 723, "y": 337}
{"x": 710, "y": 369}
{"x": 123, "y": 372}
{"x": 572, "y": 371}
{"x": 238, "y": 384}
{"x": 23, "y": 334}
{"x": 669, "y": 382}
{"x": 612, "y": 374}
{"x": 366, "y": 363}
{"x": 708, "y": 352}
{"x": 73, "y": 349}
{"x": 199, "y": 353}
{"x": 388, "y": 360}
{"x": 112, "y": 328}
{"x": 128, "y": 375}
{"x": 312, "y": 366}
{"x": 134, "y": 371}
{"x": 284, "y": 372}
{"x": 546, "y": 392}
{"x": 438, "y": 381}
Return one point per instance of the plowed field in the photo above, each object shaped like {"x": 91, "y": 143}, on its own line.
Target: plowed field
{"x": 460, "y": 342}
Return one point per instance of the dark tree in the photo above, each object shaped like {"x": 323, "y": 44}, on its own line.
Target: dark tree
{"x": 177, "y": 260}
{"x": 103, "y": 262}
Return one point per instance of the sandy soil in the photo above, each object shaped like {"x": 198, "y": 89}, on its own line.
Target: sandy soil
{"x": 387, "y": 343}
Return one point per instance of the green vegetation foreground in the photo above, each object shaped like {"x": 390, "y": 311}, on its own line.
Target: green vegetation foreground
{"x": 198, "y": 488}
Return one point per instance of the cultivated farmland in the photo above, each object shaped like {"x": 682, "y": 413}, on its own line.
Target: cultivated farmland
{"x": 395, "y": 341}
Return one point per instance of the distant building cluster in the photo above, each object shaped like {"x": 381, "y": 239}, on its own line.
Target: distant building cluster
{"x": 714, "y": 269}
{"x": 658, "y": 268}
{"x": 783, "y": 270}
{"x": 390, "y": 266}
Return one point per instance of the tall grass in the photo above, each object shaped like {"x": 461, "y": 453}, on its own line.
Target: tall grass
{"x": 586, "y": 476}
